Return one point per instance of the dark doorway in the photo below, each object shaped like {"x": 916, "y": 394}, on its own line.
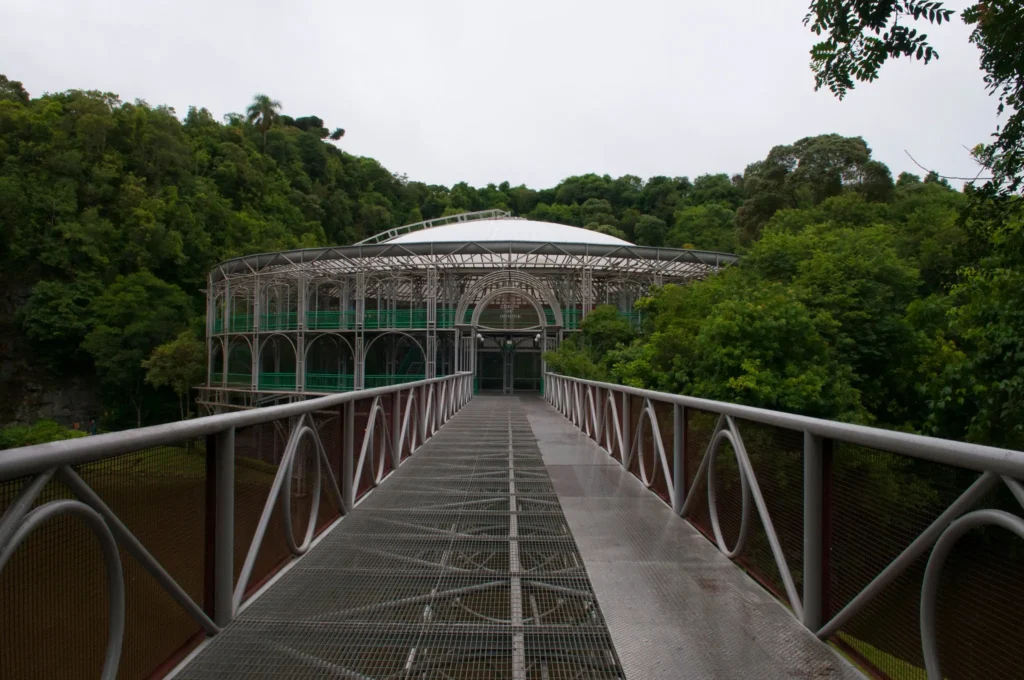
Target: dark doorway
{"x": 508, "y": 363}
{"x": 489, "y": 369}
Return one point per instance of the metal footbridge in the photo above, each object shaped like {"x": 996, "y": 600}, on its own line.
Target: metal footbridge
{"x": 461, "y": 565}
{"x": 421, "y": 531}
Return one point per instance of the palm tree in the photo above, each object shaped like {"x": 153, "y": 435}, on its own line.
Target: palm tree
{"x": 263, "y": 113}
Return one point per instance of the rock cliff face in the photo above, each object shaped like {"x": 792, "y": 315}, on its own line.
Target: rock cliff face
{"x": 65, "y": 400}
{"x": 29, "y": 389}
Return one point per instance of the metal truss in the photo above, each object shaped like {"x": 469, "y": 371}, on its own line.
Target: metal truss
{"x": 273, "y": 308}
{"x": 482, "y": 256}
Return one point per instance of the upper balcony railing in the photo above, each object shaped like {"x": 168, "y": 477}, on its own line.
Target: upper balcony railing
{"x": 384, "y": 319}
{"x": 182, "y": 514}
{"x": 902, "y": 550}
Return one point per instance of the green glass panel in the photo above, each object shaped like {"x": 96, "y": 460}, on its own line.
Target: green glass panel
{"x": 386, "y": 380}
{"x": 241, "y": 323}
{"x": 277, "y": 381}
{"x": 446, "y": 317}
{"x": 281, "y": 321}
{"x": 329, "y": 382}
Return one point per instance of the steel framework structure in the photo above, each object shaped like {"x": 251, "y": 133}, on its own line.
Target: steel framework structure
{"x": 323, "y": 320}
{"x": 624, "y": 421}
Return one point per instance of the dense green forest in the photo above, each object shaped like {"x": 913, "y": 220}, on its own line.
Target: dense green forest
{"x": 892, "y": 306}
{"x": 114, "y": 212}
{"x": 860, "y": 297}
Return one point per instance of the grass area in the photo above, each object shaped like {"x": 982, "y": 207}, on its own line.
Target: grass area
{"x": 174, "y": 461}
{"x": 158, "y": 461}
{"x": 257, "y": 465}
{"x": 893, "y": 667}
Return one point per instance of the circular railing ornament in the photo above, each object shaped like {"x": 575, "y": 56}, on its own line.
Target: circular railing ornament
{"x": 741, "y": 540}
{"x": 286, "y": 492}
{"x": 115, "y": 579}
{"x": 612, "y": 430}
{"x": 647, "y": 419}
{"x": 930, "y": 585}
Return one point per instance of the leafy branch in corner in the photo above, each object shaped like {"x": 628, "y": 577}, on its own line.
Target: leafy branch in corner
{"x": 860, "y": 35}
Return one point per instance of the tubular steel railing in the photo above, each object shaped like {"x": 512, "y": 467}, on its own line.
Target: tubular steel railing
{"x": 900, "y": 549}
{"x": 183, "y": 515}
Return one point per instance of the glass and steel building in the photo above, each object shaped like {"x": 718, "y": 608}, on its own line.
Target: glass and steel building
{"x": 480, "y": 291}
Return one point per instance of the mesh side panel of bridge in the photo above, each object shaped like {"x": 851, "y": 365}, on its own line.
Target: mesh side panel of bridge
{"x": 460, "y": 566}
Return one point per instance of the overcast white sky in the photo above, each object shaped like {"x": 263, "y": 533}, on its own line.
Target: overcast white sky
{"x": 529, "y": 91}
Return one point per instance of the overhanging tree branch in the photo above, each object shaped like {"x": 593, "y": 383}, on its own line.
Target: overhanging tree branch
{"x": 930, "y": 171}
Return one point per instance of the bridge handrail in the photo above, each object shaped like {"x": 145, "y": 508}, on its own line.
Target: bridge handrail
{"x": 27, "y": 460}
{"x": 393, "y": 429}
{"x": 602, "y": 412}
{"x": 962, "y": 454}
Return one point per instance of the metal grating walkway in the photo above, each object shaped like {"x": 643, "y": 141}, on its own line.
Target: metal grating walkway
{"x": 460, "y": 566}
{"x": 676, "y": 607}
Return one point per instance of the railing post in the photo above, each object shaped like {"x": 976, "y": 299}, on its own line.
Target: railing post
{"x": 627, "y": 420}
{"x": 421, "y": 405}
{"x": 817, "y": 521}
{"x": 347, "y": 457}
{"x": 679, "y": 457}
{"x": 396, "y": 429}
{"x": 220, "y": 526}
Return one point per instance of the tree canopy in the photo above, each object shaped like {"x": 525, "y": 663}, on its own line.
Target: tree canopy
{"x": 857, "y": 297}
{"x": 179, "y": 364}
{"x": 897, "y": 308}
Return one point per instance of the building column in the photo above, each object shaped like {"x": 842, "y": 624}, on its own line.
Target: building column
{"x": 587, "y": 291}
{"x": 226, "y": 321}
{"x": 358, "y": 379}
{"x": 392, "y": 303}
{"x": 226, "y": 329}
{"x": 256, "y": 333}
{"x": 300, "y": 335}
{"x": 430, "y": 360}
{"x": 473, "y": 347}
{"x": 210, "y": 325}
{"x": 456, "y": 350}
{"x": 344, "y": 303}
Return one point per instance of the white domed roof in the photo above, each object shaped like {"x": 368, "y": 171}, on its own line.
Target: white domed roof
{"x": 509, "y": 229}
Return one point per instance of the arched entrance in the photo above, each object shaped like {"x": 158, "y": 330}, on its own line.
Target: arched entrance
{"x": 509, "y": 317}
